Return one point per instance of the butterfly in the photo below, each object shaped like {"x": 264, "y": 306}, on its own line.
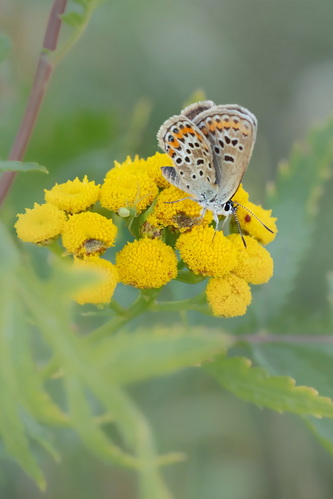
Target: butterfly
{"x": 210, "y": 146}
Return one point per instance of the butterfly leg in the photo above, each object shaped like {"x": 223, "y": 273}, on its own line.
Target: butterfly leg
{"x": 217, "y": 221}
{"x": 224, "y": 221}
{"x": 177, "y": 200}
{"x": 202, "y": 214}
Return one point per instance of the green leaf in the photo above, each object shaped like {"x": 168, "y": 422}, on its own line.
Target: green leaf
{"x": 5, "y": 46}
{"x": 11, "y": 426}
{"x": 18, "y": 166}
{"x": 322, "y": 429}
{"x": 88, "y": 429}
{"x": 49, "y": 306}
{"x": 73, "y": 19}
{"x": 310, "y": 362}
{"x": 130, "y": 358}
{"x": 279, "y": 393}
{"x": 9, "y": 255}
{"x": 294, "y": 201}
{"x": 78, "y": 12}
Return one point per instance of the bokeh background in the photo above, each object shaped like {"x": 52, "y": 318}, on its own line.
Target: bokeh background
{"x": 137, "y": 64}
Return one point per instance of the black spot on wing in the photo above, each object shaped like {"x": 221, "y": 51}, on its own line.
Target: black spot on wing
{"x": 169, "y": 172}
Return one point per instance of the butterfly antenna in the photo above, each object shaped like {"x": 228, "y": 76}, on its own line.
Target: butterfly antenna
{"x": 255, "y": 216}
{"x": 239, "y": 227}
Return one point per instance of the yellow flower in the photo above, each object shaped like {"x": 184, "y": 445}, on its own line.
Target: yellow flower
{"x": 250, "y": 225}
{"x": 134, "y": 166}
{"x": 74, "y": 195}
{"x": 88, "y": 233}
{"x": 207, "y": 252}
{"x": 124, "y": 189}
{"x": 146, "y": 263}
{"x": 241, "y": 196}
{"x": 255, "y": 264}
{"x": 180, "y": 214}
{"x": 102, "y": 291}
{"x": 153, "y": 166}
{"x": 150, "y": 166}
{"x": 40, "y": 224}
{"x": 228, "y": 296}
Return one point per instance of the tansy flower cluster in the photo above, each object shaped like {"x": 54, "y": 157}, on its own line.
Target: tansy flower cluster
{"x": 168, "y": 237}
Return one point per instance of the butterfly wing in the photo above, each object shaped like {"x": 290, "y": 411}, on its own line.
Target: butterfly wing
{"x": 231, "y": 130}
{"x": 191, "y": 152}
{"x": 196, "y": 108}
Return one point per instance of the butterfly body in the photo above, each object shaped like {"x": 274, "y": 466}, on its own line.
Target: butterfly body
{"x": 211, "y": 146}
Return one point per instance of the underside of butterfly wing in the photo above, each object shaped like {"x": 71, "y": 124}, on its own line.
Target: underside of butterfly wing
{"x": 196, "y": 108}
{"x": 231, "y": 131}
{"x": 193, "y": 169}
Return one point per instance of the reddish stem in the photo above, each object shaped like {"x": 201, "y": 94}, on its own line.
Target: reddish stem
{"x": 43, "y": 74}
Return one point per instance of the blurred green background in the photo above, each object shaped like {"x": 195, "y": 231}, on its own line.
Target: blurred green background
{"x": 137, "y": 64}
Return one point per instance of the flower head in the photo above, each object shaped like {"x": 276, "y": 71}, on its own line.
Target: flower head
{"x": 74, "y": 195}
{"x": 146, "y": 263}
{"x": 150, "y": 166}
{"x": 126, "y": 187}
{"x": 255, "y": 264}
{"x": 207, "y": 252}
{"x": 252, "y": 226}
{"x": 88, "y": 233}
{"x": 228, "y": 296}
{"x": 241, "y": 196}
{"x": 100, "y": 292}
{"x": 153, "y": 167}
{"x": 41, "y": 223}
{"x": 172, "y": 209}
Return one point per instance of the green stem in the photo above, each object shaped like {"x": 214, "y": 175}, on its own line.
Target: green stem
{"x": 43, "y": 75}
{"x": 144, "y": 301}
{"x": 55, "y": 247}
{"x": 196, "y": 303}
{"x": 189, "y": 278}
{"x": 118, "y": 309}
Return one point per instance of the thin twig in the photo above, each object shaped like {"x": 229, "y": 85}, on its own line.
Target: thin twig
{"x": 42, "y": 77}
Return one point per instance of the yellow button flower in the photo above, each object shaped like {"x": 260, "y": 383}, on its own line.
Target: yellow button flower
{"x": 153, "y": 166}
{"x": 146, "y": 263}
{"x": 134, "y": 166}
{"x": 74, "y": 195}
{"x": 101, "y": 292}
{"x": 40, "y": 224}
{"x": 150, "y": 166}
{"x": 207, "y": 252}
{"x": 228, "y": 296}
{"x": 250, "y": 225}
{"x": 255, "y": 264}
{"x": 123, "y": 189}
{"x": 88, "y": 234}
{"x": 241, "y": 196}
{"x": 180, "y": 214}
